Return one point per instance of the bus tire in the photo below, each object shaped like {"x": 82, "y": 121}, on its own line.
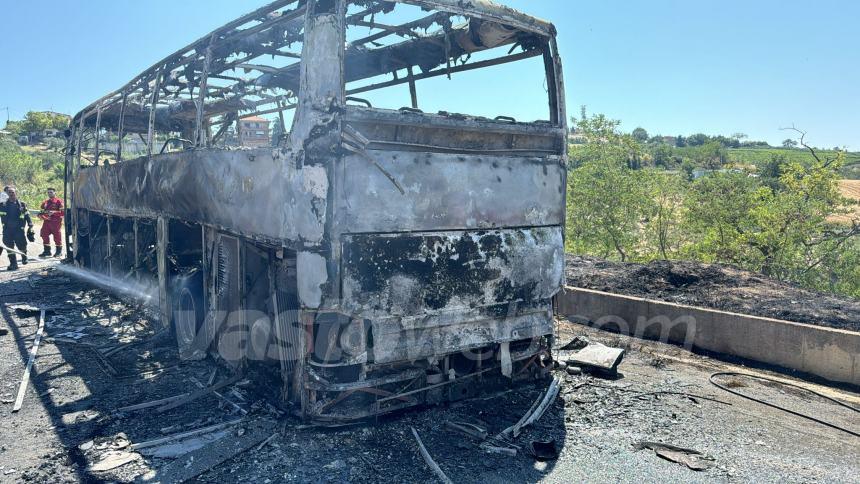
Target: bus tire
{"x": 188, "y": 315}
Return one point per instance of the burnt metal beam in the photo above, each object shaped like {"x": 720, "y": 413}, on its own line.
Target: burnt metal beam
{"x": 455, "y": 69}
{"x": 172, "y": 58}
{"x": 413, "y": 93}
{"x": 422, "y": 22}
{"x": 150, "y": 133}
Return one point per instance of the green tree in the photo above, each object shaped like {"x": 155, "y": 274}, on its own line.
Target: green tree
{"x": 640, "y": 135}
{"x": 662, "y": 155}
{"x": 606, "y": 196}
{"x": 30, "y": 173}
{"x": 37, "y": 121}
{"x": 664, "y": 230}
{"x": 771, "y": 171}
{"x": 711, "y": 155}
{"x": 779, "y": 232}
{"x": 789, "y": 143}
{"x": 697, "y": 139}
{"x": 687, "y": 167}
{"x": 718, "y": 212}
{"x": 15, "y": 127}
{"x": 604, "y": 209}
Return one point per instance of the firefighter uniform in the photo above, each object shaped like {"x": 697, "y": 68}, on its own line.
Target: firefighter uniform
{"x": 15, "y": 217}
{"x": 52, "y": 222}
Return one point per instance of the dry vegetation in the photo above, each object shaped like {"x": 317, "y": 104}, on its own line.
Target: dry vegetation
{"x": 849, "y": 189}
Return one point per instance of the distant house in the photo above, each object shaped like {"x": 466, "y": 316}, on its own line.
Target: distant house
{"x": 40, "y": 136}
{"x": 670, "y": 140}
{"x": 254, "y": 132}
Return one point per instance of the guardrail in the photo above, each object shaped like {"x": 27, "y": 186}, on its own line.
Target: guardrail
{"x": 829, "y": 353}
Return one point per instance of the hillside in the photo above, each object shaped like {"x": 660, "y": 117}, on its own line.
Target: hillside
{"x": 849, "y": 189}
{"x": 758, "y": 156}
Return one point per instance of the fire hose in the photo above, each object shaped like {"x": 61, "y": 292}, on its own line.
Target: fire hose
{"x": 773, "y": 405}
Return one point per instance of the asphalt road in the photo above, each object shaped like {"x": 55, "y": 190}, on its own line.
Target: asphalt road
{"x": 596, "y": 423}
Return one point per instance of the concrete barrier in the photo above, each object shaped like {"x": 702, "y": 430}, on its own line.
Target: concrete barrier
{"x": 829, "y": 353}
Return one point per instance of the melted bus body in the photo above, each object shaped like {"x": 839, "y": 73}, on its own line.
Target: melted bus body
{"x": 373, "y": 259}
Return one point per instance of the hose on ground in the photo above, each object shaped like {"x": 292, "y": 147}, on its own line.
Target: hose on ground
{"x": 772, "y": 405}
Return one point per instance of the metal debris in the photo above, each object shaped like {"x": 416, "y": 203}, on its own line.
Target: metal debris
{"x": 113, "y": 459}
{"x": 429, "y": 460}
{"x": 266, "y": 442}
{"x": 153, "y": 403}
{"x": 577, "y": 343}
{"x": 544, "y": 450}
{"x": 184, "y": 435}
{"x": 218, "y": 394}
{"x": 199, "y": 394}
{"x": 24, "y": 310}
{"x": 22, "y": 389}
{"x": 573, "y": 370}
{"x": 472, "y": 430}
{"x": 535, "y": 412}
{"x": 679, "y": 455}
{"x": 172, "y": 450}
{"x": 595, "y": 355}
{"x": 495, "y": 449}
{"x": 209, "y": 456}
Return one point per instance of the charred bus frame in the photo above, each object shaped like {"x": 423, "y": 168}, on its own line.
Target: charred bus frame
{"x": 375, "y": 259}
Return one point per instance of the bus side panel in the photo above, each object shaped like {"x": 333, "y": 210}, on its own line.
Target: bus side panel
{"x": 250, "y": 192}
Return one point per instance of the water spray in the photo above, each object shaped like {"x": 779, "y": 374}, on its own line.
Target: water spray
{"x": 145, "y": 293}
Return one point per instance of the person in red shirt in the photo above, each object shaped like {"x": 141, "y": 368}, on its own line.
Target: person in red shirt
{"x": 52, "y": 221}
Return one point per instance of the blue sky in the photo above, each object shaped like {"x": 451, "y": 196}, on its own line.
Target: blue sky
{"x": 670, "y": 66}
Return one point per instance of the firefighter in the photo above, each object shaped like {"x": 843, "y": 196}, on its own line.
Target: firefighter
{"x": 52, "y": 221}
{"x": 14, "y": 215}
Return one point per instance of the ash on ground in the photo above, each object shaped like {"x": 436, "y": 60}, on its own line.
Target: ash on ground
{"x": 715, "y": 286}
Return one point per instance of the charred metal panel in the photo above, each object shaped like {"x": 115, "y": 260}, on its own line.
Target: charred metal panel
{"x": 314, "y": 275}
{"x": 447, "y": 191}
{"x": 453, "y": 121}
{"x": 489, "y": 10}
{"x": 455, "y": 133}
{"x": 252, "y": 192}
{"x": 226, "y": 321}
{"x": 162, "y": 234}
{"x": 392, "y": 342}
{"x": 412, "y": 275}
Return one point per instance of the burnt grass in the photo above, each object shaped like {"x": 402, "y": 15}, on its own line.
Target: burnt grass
{"x": 722, "y": 287}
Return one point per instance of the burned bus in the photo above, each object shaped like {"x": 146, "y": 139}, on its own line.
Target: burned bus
{"x": 377, "y": 253}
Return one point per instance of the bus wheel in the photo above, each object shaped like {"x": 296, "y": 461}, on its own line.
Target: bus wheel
{"x": 188, "y": 315}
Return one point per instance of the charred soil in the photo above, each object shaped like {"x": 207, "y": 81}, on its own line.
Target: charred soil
{"x": 715, "y": 286}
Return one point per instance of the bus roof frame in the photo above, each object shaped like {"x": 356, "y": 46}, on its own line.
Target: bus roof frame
{"x": 481, "y": 9}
